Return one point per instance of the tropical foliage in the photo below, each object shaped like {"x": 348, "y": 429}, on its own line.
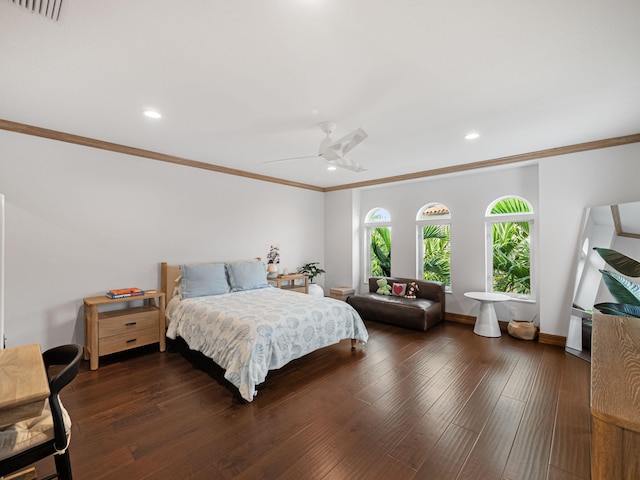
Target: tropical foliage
{"x": 380, "y": 252}
{"x": 437, "y": 259}
{"x": 511, "y": 249}
{"x": 623, "y": 290}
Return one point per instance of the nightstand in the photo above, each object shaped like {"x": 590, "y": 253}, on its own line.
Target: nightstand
{"x": 288, "y": 282}
{"x": 122, "y": 329}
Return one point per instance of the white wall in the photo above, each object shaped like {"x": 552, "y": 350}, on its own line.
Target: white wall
{"x": 81, "y": 221}
{"x": 568, "y": 185}
{"x": 467, "y": 196}
{"x": 560, "y": 188}
{"x": 342, "y": 245}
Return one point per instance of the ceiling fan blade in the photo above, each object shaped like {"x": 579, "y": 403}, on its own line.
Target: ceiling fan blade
{"x": 348, "y": 164}
{"x": 291, "y": 158}
{"x": 348, "y": 142}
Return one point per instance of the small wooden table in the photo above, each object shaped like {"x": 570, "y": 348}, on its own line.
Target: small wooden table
{"x": 23, "y": 384}
{"x": 288, "y": 282}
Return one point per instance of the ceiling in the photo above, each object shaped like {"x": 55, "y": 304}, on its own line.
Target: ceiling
{"x": 243, "y": 82}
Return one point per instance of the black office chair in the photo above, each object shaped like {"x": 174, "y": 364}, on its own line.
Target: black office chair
{"x": 56, "y": 440}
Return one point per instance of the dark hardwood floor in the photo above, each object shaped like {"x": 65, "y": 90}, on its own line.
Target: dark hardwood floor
{"x": 446, "y": 404}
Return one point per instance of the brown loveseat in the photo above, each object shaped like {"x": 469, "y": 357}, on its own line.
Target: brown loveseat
{"x": 418, "y": 313}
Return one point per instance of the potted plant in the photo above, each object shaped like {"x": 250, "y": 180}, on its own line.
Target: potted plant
{"x": 312, "y": 270}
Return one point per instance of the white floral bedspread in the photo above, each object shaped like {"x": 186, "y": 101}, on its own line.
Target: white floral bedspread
{"x": 249, "y": 333}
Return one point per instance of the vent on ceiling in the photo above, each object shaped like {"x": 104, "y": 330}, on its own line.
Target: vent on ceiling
{"x": 46, "y": 8}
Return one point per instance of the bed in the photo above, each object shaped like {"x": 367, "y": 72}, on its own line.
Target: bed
{"x": 229, "y": 312}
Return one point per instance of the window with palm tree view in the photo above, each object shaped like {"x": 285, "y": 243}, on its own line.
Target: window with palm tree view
{"x": 509, "y": 221}
{"x": 378, "y": 242}
{"x": 434, "y": 238}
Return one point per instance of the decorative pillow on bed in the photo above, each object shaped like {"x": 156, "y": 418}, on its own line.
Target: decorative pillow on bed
{"x": 201, "y": 279}
{"x": 398, "y": 289}
{"x": 247, "y": 275}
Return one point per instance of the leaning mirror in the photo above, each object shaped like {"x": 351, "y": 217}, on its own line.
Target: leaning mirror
{"x": 607, "y": 226}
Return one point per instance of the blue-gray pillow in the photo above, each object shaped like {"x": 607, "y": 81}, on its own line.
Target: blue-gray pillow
{"x": 202, "y": 279}
{"x": 247, "y": 275}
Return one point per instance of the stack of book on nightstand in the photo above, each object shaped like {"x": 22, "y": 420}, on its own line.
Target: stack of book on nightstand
{"x": 124, "y": 292}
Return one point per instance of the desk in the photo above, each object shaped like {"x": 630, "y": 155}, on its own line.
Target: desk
{"x": 487, "y": 322}
{"x": 23, "y": 384}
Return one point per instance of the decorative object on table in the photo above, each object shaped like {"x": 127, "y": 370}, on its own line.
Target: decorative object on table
{"x": 383, "y": 287}
{"x": 272, "y": 270}
{"x": 623, "y": 291}
{"x": 125, "y": 292}
{"x": 273, "y": 259}
{"x": 399, "y": 289}
{"x": 312, "y": 270}
{"x": 522, "y": 329}
{"x": 412, "y": 288}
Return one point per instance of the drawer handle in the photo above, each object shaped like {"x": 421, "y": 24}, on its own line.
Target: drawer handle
{"x": 132, "y": 340}
{"x": 130, "y": 324}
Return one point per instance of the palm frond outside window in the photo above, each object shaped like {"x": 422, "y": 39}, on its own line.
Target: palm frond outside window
{"x": 510, "y": 220}
{"x": 434, "y": 243}
{"x": 378, "y": 243}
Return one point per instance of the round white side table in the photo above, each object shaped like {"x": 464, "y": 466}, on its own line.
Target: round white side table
{"x": 487, "y": 322}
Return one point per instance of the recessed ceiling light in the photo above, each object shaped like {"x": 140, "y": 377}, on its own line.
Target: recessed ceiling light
{"x": 472, "y": 136}
{"x": 151, "y": 114}
{"x": 331, "y": 168}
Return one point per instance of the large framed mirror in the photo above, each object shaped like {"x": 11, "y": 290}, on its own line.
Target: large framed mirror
{"x": 608, "y": 226}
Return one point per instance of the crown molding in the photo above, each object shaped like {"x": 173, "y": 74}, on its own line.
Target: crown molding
{"x": 138, "y": 152}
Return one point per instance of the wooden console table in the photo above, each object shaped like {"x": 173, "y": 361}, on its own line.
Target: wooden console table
{"x": 615, "y": 398}
{"x": 23, "y": 384}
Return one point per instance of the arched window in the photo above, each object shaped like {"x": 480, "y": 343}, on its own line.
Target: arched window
{"x": 509, "y": 222}
{"x": 378, "y": 243}
{"x": 433, "y": 226}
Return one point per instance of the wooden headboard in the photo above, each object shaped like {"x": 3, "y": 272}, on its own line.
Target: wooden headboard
{"x": 168, "y": 276}
{"x": 170, "y": 273}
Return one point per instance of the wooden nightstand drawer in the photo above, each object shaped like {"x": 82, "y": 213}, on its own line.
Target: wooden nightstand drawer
{"x": 127, "y": 340}
{"x": 114, "y": 323}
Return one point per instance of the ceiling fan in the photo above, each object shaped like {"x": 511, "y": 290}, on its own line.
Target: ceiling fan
{"x": 335, "y": 151}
